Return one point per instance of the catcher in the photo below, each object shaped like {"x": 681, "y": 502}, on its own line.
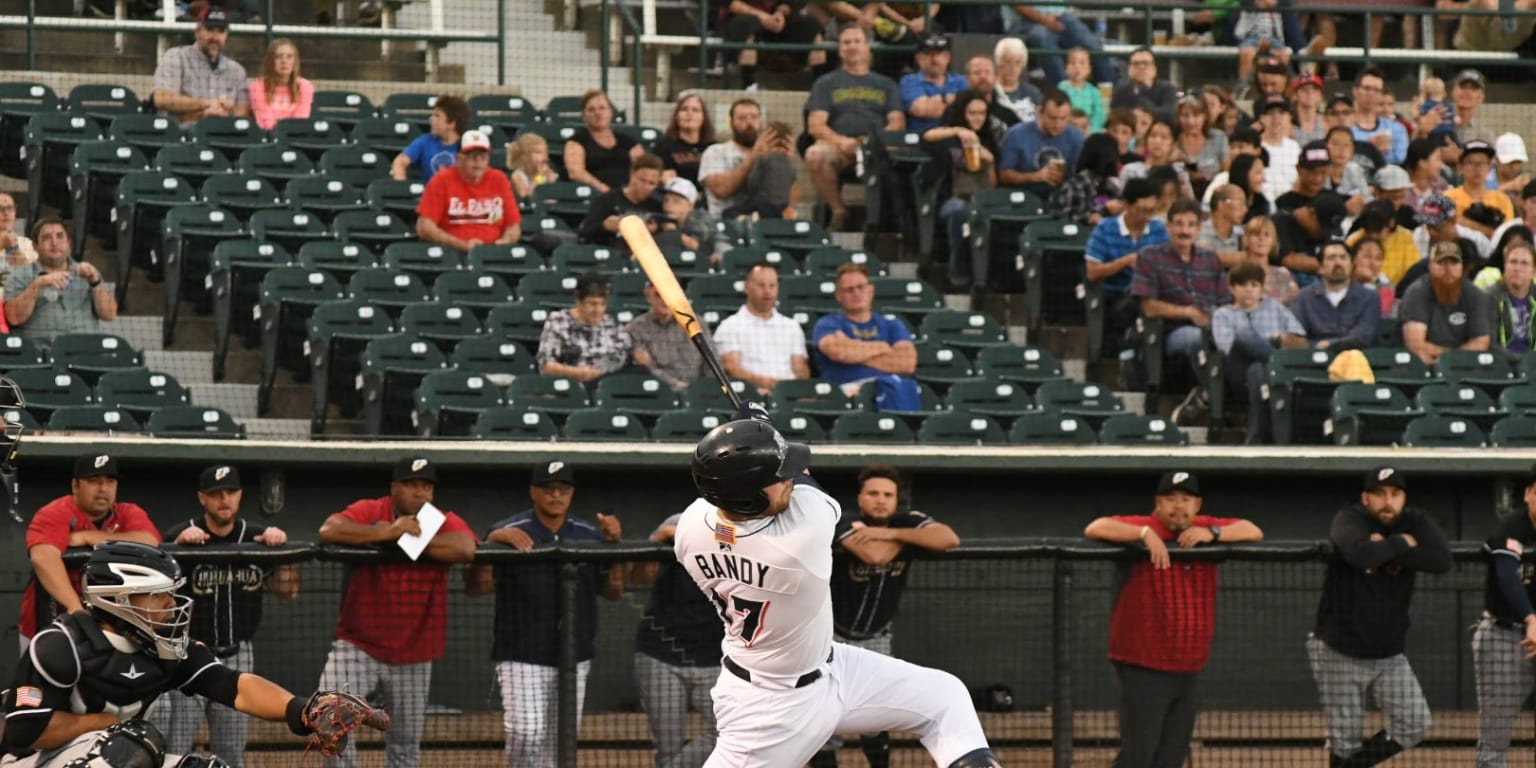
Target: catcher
{"x": 83, "y": 683}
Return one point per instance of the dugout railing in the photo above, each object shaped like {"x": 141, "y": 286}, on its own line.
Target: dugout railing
{"x": 1022, "y": 622}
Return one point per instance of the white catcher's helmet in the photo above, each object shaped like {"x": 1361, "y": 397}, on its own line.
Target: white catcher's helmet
{"x": 116, "y": 571}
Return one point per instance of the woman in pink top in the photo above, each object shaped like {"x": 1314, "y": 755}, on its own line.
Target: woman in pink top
{"x": 280, "y": 93}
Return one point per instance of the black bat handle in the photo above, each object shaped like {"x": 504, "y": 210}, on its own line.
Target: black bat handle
{"x": 713, "y": 362}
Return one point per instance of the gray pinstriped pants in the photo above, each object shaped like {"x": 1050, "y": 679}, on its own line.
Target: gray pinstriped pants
{"x": 1342, "y": 684}
{"x": 404, "y": 689}
{"x": 667, "y": 690}
{"x": 1504, "y": 680}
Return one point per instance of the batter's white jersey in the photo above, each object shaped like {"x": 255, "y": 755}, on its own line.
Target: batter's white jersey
{"x": 769, "y": 579}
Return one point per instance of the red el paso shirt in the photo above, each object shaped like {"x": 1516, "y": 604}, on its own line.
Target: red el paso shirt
{"x": 470, "y": 212}
{"x": 52, "y": 524}
{"x": 1164, "y": 619}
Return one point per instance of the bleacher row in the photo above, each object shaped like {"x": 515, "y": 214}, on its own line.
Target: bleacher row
{"x": 1467, "y": 399}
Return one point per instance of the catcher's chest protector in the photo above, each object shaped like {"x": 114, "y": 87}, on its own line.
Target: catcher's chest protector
{"x": 110, "y": 680}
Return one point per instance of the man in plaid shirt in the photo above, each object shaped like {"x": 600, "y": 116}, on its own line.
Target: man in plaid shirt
{"x": 585, "y": 342}
{"x": 197, "y": 81}
{"x": 1182, "y": 283}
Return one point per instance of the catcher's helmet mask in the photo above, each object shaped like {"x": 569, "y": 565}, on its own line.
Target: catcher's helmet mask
{"x": 119, "y": 570}
{"x": 737, "y": 460}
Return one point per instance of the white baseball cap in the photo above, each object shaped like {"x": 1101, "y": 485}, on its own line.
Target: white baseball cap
{"x": 473, "y": 140}
{"x": 1510, "y": 148}
{"x": 683, "y": 188}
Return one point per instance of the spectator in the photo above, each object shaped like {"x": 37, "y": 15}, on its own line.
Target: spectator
{"x": 1164, "y": 617}
{"x": 758, "y": 344}
{"x": 1446, "y": 311}
{"x": 584, "y": 342}
{"x": 597, "y": 155}
{"x": 973, "y": 167}
{"x": 874, "y": 557}
{"x": 1247, "y": 174}
{"x": 1283, "y": 151}
{"x": 1248, "y": 331}
{"x": 1391, "y": 184}
{"x": 1083, "y": 94}
{"x": 1040, "y": 155}
{"x": 1110, "y": 258}
{"x": 689, "y": 133}
{"x": 1272, "y": 78}
{"x": 1121, "y": 124}
{"x": 394, "y": 615}
{"x": 226, "y": 611}
{"x": 661, "y": 345}
{"x": 1379, "y": 547}
{"x": 1344, "y": 176}
{"x": 1160, "y": 150}
{"x": 1512, "y": 320}
{"x": 526, "y": 639}
{"x": 1476, "y": 161}
{"x": 1307, "y": 101}
{"x": 1142, "y": 88}
{"x": 197, "y": 81}
{"x": 438, "y": 148}
{"x": 981, "y": 75}
{"x": 686, "y": 227}
{"x": 528, "y": 162}
{"x": 1303, "y": 231}
{"x": 1509, "y": 176}
{"x": 1013, "y": 88}
{"x": 87, "y": 516}
{"x": 843, "y": 107}
{"x": 766, "y": 21}
{"x": 677, "y": 655}
{"x": 928, "y": 92}
{"x": 1204, "y": 149}
{"x": 1182, "y": 284}
{"x": 1340, "y": 110}
{"x": 18, "y": 248}
{"x": 1259, "y": 31}
{"x": 636, "y": 195}
{"x": 1052, "y": 27}
{"x": 1468, "y": 94}
{"x": 1423, "y": 165}
{"x": 1369, "y": 255}
{"x": 1224, "y": 115}
{"x": 1261, "y": 247}
{"x": 1505, "y": 633}
{"x": 857, "y": 345}
{"x": 751, "y": 172}
{"x": 55, "y": 295}
{"x": 1312, "y": 169}
{"x": 1437, "y": 114}
{"x": 1222, "y": 233}
{"x": 1527, "y": 198}
{"x": 1377, "y": 221}
{"x": 470, "y": 205}
{"x": 280, "y": 92}
{"x": 1374, "y": 124}
{"x": 1094, "y": 191}
{"x": 1336, "y": 310}
{"x": 1437, "y": 223}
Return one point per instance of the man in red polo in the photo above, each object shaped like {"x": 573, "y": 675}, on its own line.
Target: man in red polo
{"x": 89, "y": 515}
{"x": 394, "y": 615}
{"x": 1164, "y": 617}
{"x": 471, "y": 203}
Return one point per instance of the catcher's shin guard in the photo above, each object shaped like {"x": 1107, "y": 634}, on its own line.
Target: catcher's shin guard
{"x": 129, "y": 744}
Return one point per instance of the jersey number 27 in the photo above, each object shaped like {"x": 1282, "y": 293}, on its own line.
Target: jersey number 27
{"x": 750, "y": 613}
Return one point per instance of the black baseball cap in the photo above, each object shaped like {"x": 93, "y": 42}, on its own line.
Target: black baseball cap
{"x": 416, "y": 468}
{"x": 1314, "y": 155}
{"x": 218, "y": 478}
{"x": 96, "y": 465}
{"x": 1478, "y": 145}
{"x": 1340, "y": 97}
{"x": 213, "y": 18}
{"x": 1178, "y": 481}
{"x": 1469, "y": 76}
{"x": 1274, "y": 101}
{"x": 555, "y": 471}
{"x": 933, "y": 43}
{"x": 1383, "y": 476}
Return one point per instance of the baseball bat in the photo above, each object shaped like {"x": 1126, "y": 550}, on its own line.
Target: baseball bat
{"x": 644, "y": 247}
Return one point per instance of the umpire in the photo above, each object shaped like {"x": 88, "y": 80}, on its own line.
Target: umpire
{"x": 1505, "y": 640}
{"x": 226, "y": 610}
{"x": 1379, "y": 546}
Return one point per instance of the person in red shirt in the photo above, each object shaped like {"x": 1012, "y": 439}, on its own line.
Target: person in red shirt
{"x": 470, "y": 204}
{"x": 394, "y": 615}
{"x": 1164, "y": 617}
{"x": 89, "y": 515}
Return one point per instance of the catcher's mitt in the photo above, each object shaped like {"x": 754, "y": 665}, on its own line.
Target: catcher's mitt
{"x": 331, "y": 715}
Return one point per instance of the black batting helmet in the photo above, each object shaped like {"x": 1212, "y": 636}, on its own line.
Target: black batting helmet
{"x": 737, "y": 460}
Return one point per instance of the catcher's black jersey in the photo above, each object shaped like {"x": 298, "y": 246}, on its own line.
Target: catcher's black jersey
{"x": 74, "y": 666}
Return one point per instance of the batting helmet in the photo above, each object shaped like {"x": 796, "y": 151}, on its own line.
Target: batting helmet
{"x": 737, "y": 460}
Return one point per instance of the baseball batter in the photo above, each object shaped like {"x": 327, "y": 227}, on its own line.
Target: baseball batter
{"x": 757, "y": 544}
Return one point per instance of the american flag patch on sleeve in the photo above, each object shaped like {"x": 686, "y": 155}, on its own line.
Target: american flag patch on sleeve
{"x": 725, "y": 533}
{"x": 27, "y": 696}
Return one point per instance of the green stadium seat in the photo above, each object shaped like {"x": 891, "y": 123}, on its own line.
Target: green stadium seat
{"x": 1489, "y": 371}
{"x": 509, "y": 261}
{"x": 288, "y": 298}
{"x": 102, "y": 102}
{"x": 1369, "y": 414}
{"x": 603, "y": 425}
{"x": 395, "y": 197}
{"x": 1461, "y": 401}
{"x": 242, "y": 194}
{"x": 961, "y": 429}
{"x": 868, "y": 399}
{"x": 95, "y": 169}
{"x": 186, "y": 421}
{"x": 686, "y": 263}
{"x": 1519, "y": 400}
{"x": 448, "y": 403}
{"x": 338, "y": 258}
{"x": 876, "y": 428}
{"x": 17, "y": 416}
{"x": 1027, "y": 365}
{"x": 800, "y": 428}
{"x": 706, "y": 394}
{"x": 567, "y": 199}
{"x": 1052, "y": 251}
{"x": 503, "y": 109}
{"x": 324, "y": 197}
{"x": 1139, "y": 429}
{"x": 275, "y": 163}
{"x": 635, "y": 394}
{"x": 1051, "y": 429}
{"x": 148, "y": 133}
{"x": 388, "y": 290}
{"x": 720, "y": 293}
{"x": 1443, "y": 432}
{"x": 426, "y": 260}
{"x": 522, "y": 322}
{"x": 964, "y": 330}
{"x": 736, "y": 262}
{"x": 235, "y": 272}
{"x": 48, "y": 144}
{"x": 558, "y": 395}
{"x": 356, "y": 165}
{"x": 310, "y": 135}
{"x": 392, "y": 369}
{"x": 479, "y": 292}
{"x": 563, "y": 108}
{"x": 345, "y": 108}
{"x": 19, "y": 102}
{"x": 144, "y": 198}
{"x": 687, "y": 425}
{"x": 809, "y": 293}
{"x": 817, "y": 398}
{"x": 373, "y": 229}
{"x": 139, "y": 392}
{"x": 1300, "y": 394}
{"x": 1400, "y": 368}
{"x": 495, "y": 358}
{"x": 338, "y": 333}
{"x": 644, "y": 134}
{"x": 550, "y": 290}
{"x": 89, "y": 355}
{"x": 1514, "y": 432}
{"x": 796, "y": 237}
{"x": 19, "y": 352}
{"x": 92, "y": 418}
{"x": 628, "y": 293}
{"x": 1091, "y": 402}
{"x": 440, "y": 324}
{"x": 940, "y": 366}
{"x": 998, "y": 217}
{"x": 384, "y": 136}
{"x": 287, "y": 227}
{"x": 230, "y": 135}
{"x": 999, "y": 399}
{"x": 913, "y": 298}
{"x": 44, "y": 390}
{"x": 515, "y": 424}
{"x": 190, "y": 233}
{"x": 824, "y": 261}
{"x": 574, "y": 259}
{"x": 196, "y": 164}
{"x": 413, "y": 107}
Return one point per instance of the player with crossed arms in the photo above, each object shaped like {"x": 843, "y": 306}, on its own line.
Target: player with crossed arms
{"x": 757, "y": 544}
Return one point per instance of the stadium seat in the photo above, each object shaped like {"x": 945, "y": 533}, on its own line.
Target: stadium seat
{"x": 143, "y": 200}
{"x": 232, "y": 136}
{"x": 721, "y": 293}
{"x": 961, "y": 429}
{"x": 912, "y": 298}
{"x": 95, "y": 169}
{"x": 235, "y": 272}
{"x": 1053, "y": 276}
{"x": 1489, "y": 371}
{"x": 603, "y": 425}
{"x": 645, "y": 135}
{"x": 1300, "y": 394}
{"x": 796, "y": 237}
{"x": 809, "y": 293}
{"x": 546, "y": 231}
{"x": 1400, "y": 368}
{"x": 1461, "y": 401}
{"x": 439, "y": 323}
{"x": 338, "y": 258}
{"x": 1051, "y": 429}
{"x": 1514, "y": 432}
{"x": 287, "y": 227}
{"x": 1027, "y": 365}
{"x": 48, "y": 144}
{"x": 1519, "y": 400}
{"x": 629, "y": 293}
{"x": 139, "y": 392}
{"x": 187, "y": 421}
{"x": 415, "y": 108}
{"x": 479, "y": 292}
{"x": 567, "y": 199}
{"x": 817, "y": 398}
{"x": 1443, "y": 432}
{"x": 574, "y": 259}
{"x": 878, "y": 428}
{"x": 89, "y": 355}
{"x": 558, "y": 395}
{"x": 1138, "y": 429}
{"x": 801, "y": 429}
{"x": 288, "y": 298}
{"x": 941, "y": 367}
{"x": 706, "y": 394}
{"x": 196, "y": 164}
{"x": 1002, "y": 400}
{"x": 384, "y": 136}
{"x": 19, "y": 352}
{"x": 338, "y": 332}
{"x": 522, "y": 322}
{"x": 148, "y": 133}
{"x": 399, "y": 198}
{"x": 735, "y": 263}
{"x": 635, "y": 394}
{"x": 868, "y": 399}
{"x": 504, "y": 110}
{"x": 686, "y": 426}
{"x": 1090, "y": 402}
{"x": 550, "y": 290}
{"x": 823, "y": 262}
{"x": 964, "y": 330}
{"x": 324, "y": 197}
{"x": 515, "y": 424}
{"x": 387, "y": 289}
{"x": 425, "y": 260}
{"x": 356, "y": 165}
{"x": 19, "y": 101}
{"x": 370, "y": 228}
{"x": 242, "y": 194}
{"x": 345, "y": 108}
{"x": 998, "y": 217}
{"x": 449, "y": 402}
{"x": 509, "y": 261}
{"x": 311, "y": 135}
{"x": 392, "y": 369}
{"x": 497, "y": 359}
{"x": 92, "y": 418}
{"x": 18, "y": 416}
{"x": 276, "y": 164}
{"x": 1369, "y": 414}
{"x": 102, "y": 102}
{"x": 190, "y": 233}
{"x": 44, "y": 390}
